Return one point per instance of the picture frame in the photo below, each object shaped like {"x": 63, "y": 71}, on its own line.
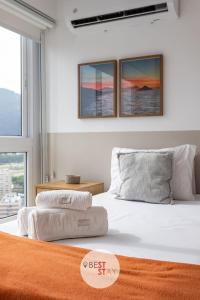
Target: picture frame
{"x": 97, "y": 89}
{"x": 141, "y": 86}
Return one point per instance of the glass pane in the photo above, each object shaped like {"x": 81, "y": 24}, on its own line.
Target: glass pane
{"x": 12, "y": 183}
{"x": 10, "y": 83}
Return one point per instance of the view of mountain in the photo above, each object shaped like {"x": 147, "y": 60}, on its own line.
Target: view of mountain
{"x": 10, "y": 113}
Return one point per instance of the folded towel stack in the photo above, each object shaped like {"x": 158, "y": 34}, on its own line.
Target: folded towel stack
{"x": 62, "y": 214}
{"x": 64, "y": 199}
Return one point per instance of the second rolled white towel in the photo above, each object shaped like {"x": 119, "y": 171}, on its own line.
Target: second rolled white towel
{"x": 64, "y": 199}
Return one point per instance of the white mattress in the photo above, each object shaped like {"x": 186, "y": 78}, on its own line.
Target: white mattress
{"x": 156, "y": 231}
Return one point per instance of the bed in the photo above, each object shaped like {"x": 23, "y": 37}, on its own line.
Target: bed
{"x": 155, "y": 234}
{"x": 157, "y": 245}
{"x": 162, "y": 232}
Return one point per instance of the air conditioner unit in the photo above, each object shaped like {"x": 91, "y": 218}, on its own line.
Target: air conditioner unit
{"x": 94, "y": 16}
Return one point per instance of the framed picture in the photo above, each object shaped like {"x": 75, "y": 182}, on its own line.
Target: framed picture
{"x": 141, "y": 86}
{"x": 97, "y": 88}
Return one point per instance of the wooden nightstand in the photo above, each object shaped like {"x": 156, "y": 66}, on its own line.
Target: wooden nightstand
{"x": 92, "y": 187}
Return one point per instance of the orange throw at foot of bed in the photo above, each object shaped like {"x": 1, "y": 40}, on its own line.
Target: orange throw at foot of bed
{"x": 32, "y": 270}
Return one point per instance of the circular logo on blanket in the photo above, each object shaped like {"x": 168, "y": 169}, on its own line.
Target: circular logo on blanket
{"x": 100, "y": 269}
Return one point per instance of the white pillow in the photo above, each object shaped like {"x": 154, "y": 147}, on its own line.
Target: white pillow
{"x": 183, "y": 170}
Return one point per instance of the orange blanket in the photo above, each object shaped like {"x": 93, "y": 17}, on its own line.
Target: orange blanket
{"x": 35, "y": 270}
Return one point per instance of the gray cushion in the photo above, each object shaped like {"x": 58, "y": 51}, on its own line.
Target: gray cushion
{"x": 146, "y": 176}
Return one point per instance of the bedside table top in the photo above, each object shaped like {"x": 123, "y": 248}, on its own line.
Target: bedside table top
{"x": 92, "y": 187}
{"x": 69, "y": 186}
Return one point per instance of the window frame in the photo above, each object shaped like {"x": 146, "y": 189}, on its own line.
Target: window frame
{"x": 25, "y": 142}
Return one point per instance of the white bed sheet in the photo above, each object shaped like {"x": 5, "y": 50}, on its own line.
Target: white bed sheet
{"x": 156, "y": 231}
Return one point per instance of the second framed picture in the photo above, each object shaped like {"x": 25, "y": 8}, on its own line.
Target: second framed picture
{"x": 141, "y": 86}
{"x": 97, "y": 88}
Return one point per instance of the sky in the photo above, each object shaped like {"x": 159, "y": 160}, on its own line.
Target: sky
{"x": 99, "y": 76}
{"x": 10, "y": 62}
{"x": 145, "y": 72}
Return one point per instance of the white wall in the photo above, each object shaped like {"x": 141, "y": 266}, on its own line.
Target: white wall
{"x": 178, "y": 41}
{"x": 46, "y": 6}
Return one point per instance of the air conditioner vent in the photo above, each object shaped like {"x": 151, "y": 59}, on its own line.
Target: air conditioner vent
{"x": 112, "y": 16}
{"x": 152, "y": 9}
{"x": 85, "y": 21}
{"x": 121, "y": 15}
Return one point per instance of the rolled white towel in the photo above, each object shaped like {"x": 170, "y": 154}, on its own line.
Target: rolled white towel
{"x": 64, "y": 199}
{"x": 22, "y": 219}
{"x": 57, "y": 224}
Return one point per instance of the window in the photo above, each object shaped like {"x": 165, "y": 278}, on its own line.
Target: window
{"x": 10, "y": 84}
{"x": 19, "y": 121}
{"x": 12, "y": 183}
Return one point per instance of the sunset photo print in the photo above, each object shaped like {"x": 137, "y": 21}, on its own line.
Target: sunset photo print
{"x": 141, "y": 86}
{"x": 97, "y": 89}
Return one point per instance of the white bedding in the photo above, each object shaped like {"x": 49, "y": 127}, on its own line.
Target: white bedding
{"x": 157, "y": 231}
